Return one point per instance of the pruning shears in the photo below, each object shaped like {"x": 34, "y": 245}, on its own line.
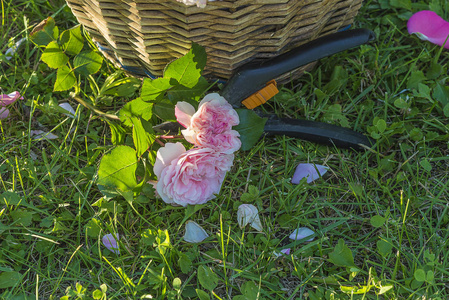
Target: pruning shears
{"x": 252, "y": 85}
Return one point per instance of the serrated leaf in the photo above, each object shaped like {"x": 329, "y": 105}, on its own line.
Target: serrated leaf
{"x": 123, "y": 87}
{"x": 153, "y": 88}
{"x": 93, "y": 228}
{"x": 22, "y": 217}
{"x": 87, "y": 62}
{"x": 164, "y": 109}
{"x": 118, "y": 169}
{"x": 45, "y": 32}
{"x": 65, "y": 79}
{"x": 187, "y": 69}
{"x": 118, "y": 133}
{"x": 250, "y": 128}
{"x": 183, "y": 93}
{"x": 54, "y": 56}
{"x": 184, "y": 263}
{"x": 143, "y": 135}
{"x": 441, "y": 94}
{"x": 72, "y": 40}
{"x": 9, "y": 279}
{"x": 136, "y": 108}
{"x": 342, "y": 255}
{"x": 9, "y": 198}
{"x": 208, "y": 279}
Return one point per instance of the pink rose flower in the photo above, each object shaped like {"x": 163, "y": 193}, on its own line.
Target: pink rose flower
{"x": 211, "y": 125}
{"x": 190, "y": 177}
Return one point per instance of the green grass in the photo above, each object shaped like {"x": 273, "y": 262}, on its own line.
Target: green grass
{"x": 389, "y": 206}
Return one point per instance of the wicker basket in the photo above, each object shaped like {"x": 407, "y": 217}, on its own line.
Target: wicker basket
{"x": 145, "y": 35}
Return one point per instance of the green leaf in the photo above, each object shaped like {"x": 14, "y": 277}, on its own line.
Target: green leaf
{"x": 164, "y": 109}
{"x": 407, "y": 4}
{"x": 384, "y": 247}
{"x": 381, "y": 125}
{"x": 65, "y": 79}
{"x": 430, "y": 276}
{"x": 183, "y": 93}
{"x": 123, "y": 87}
{"x": 426, "y": 165}
{"x": 9, "y": 279}
{"x": 249, "y": 290}
{"x": 250, "y": 128}
{"x": 118, "y": 133}
{"x": 415, "y": 78}
{"x": 88, "y": 62}
{"x": 187, "y": 69}
{"x": 420, "y": 275}
{"x": 22, "y": 217}
{"x": 377, "y": 221}
{"x": 93, "y": 228}
{"x": 184, "y": 263}
{"x": 208, "y": 279}
{"x": 72, "y": 40}
{"x": 118, "y": 169}
{"x": 45, "y": 32}
{"x": 177, "y": 283}
{"x": 441, "y": 94}
{"x": 143, "y": 135}
{"x": 10, "y": 198}
{"x": 135, "y": 108}
{"x": 54, "y": 56}
{"x": 446, "y": 110}
{"x": 153, "y": 88}
{"x": 342, "y": 255}
{"x": 202, "y": 294}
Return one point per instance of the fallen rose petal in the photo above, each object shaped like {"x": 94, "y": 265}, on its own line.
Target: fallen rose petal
{"x": 11, "y": 51}
{"x": 428, "y": 26}
{"x": 286, "y": 251}
{"x": 69, "y": 109}
{"x": 4, "y": 112}
{"x": 309, "y": 171}
{"x": 39, "y": 134}
{"x": 300, "y": 233}
{"x": 194, "y": 233}
{"x": 111, "y": 242}
{"x": 7, "y": 99}
{"x": 248, "y": 214}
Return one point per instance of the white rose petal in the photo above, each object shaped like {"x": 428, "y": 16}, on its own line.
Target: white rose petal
{"x": 70, "y": 111}
{"x": 194, "y": 233}
{"x": 300, "y": 233}
{"x": 39, "y": 134}
{"x": 248, "y": 214}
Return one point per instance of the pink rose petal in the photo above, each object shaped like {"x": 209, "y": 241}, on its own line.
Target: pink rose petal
{"x": 9, "y": 98}
{"x": 309, "y": 171}
{"x": 184, "y": 112}
{"x": 427, "y": 25}
{"x": 110, "y": 242}
{"x": 4, "y": 112}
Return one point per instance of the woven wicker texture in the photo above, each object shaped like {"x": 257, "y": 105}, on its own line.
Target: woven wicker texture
{"x": 148, "y": 34}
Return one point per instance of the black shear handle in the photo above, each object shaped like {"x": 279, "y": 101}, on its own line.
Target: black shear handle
{"x": 318, "y": 132}
{"x": 253, "y": 76}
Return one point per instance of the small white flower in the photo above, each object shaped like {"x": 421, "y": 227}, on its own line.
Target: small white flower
{"x": 194, "y": 233}
{"x": 248, "y": 214}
